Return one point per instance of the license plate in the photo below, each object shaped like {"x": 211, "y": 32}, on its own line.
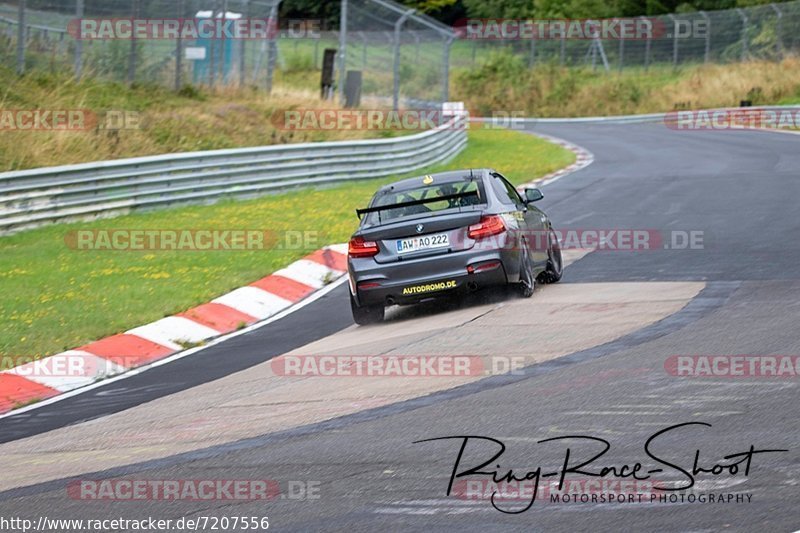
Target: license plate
{"x": 425, "y": 242}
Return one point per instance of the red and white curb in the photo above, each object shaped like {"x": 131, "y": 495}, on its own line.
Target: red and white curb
{"x": 243, "y": 307}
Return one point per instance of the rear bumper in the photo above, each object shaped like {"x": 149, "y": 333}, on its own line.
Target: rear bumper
{"x": 407, "y": 282}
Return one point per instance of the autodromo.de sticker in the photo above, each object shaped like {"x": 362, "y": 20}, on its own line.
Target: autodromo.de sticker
{"x": 430, "y": 287}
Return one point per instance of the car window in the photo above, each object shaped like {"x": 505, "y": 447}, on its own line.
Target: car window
{"x": 424, "y": 193}
{"x": 508, "y": 193}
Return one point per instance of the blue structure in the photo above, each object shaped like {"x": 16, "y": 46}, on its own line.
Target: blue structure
{"x": 225, "y": 52}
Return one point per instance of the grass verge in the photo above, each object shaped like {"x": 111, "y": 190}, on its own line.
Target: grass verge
{"x": 166, "y": 122}
{"x": 56, "y": 298}
{"x": 505, "y": 83}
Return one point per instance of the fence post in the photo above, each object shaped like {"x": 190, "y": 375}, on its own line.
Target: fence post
{"x": 243, "y": 47}
{"x": 398, "y": 26}
{"x": 743, "y": 15}
{"x": 707, "y": 53}
{"x": 179, "y": 51}
{"x": 272, "y": 48}
{"x": 21, "y": 37}
{"x": 647, "y": 44}
{"x": 446, "y": 82}
{"x": 621, "y": 52}
{"x": 342, "y": 50}
{"x": 563, "y": 51}
{"x": 212, "y": 49}
{"x": 222, "y": 45}
{"x": 778, "y": 31}
{"x": 416, "y": 50}
{"x": 132, "y": 54}
{"x": 78, "y": 41}
{"x": 674, "y": 40}
{"x": 364, "y": 51}
{"x": 533, "y": 51}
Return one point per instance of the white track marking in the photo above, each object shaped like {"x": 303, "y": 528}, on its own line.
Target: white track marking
{"x": 254, "y": 302}
{"x": 172, "y": 330}
{"x": 308, "y": 273}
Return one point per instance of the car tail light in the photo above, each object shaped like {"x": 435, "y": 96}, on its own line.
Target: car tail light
{"x": 488, "y": 226}
{"x": 367, "y": 285}
{"x": 483, "y": 267}
{"x": 361, "y": 248}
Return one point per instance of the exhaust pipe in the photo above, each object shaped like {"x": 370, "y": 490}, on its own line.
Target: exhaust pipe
{"x": 472, "y": 286}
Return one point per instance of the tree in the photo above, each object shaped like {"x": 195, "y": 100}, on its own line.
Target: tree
{"x": 499, "y": 8}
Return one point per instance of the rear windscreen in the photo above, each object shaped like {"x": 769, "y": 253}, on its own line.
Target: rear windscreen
{"x": 471, "y": 187}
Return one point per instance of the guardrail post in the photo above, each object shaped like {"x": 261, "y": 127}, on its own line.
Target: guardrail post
{"x": 707, "y": 52}
{"x": 745, "y": 22}
{"x": 778, "y": 31}
{"x": 78, "y": 41}
{"x": 21, "y": 37}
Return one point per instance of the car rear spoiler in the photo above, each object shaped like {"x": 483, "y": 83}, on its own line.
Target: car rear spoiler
{"x": 470, "y": 194}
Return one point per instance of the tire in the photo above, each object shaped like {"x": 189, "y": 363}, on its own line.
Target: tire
{"x": 367, "y": 314}
{"x": 527, "y": 283}
{"x": 555, "y": 261}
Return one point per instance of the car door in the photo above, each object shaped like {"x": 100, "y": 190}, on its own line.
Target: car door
{"x": 534, "y": 224}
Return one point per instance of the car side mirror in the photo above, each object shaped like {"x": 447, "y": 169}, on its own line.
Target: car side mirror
{"x": 533, "y": 195}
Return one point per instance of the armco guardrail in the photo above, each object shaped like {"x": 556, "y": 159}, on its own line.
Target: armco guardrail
{"x": 32, "y": 198}
{"x": 672, "y": 117}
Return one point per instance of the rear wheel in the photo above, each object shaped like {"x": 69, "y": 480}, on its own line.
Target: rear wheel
{"x": 555, "y": 261}
{"x": 527, "y": 284}
{"x": 366, "y": 314}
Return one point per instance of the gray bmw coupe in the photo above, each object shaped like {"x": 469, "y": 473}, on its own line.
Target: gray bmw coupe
{"x": 448, "y": 233}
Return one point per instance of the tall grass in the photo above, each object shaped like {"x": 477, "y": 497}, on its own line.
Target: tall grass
{"x": 506, "y": 83}
{"x": 192, "y": 119}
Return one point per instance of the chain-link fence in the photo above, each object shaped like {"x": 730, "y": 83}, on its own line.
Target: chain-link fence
{"x": 402, "y": 58}
{"x": 761, "y": 32}
{"x": 398, "y": 52}
{"x": 100, "y": 39}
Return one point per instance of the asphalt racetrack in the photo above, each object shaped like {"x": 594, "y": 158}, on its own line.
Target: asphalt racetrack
{"x": 345, "y": 452}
